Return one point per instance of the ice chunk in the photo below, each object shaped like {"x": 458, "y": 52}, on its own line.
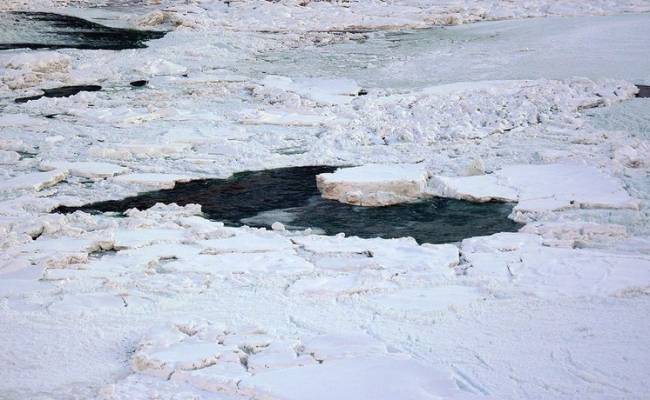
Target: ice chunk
{"x": 221, "y": 377}
{"x": 421, "y": 303}
{"x": 187, "y": 355}
{"x": 28, "y": 69}
{"x": 40, "y": 61}
{"x": 375, "y": 184}
{"x": 397, "y": 255}
{"x": 521, "y": 262}
{"x": 133, "y": 150}
{"x": 14, "y": 145}
{"x": 271, "y": 262}
{"x": 60, "y": 252}
{"x": 327, "y": 91}
{"x": 35, "y": 181}
{"x": 540, "y": 187}
{"x": 260, "y": 366}
{"x": 575, "y": 234}
{"x": 85, "y": 169}
{"x": 481, "y": 188}
{"x": 134, "y": 238}
{"x": 570, "y": 185}
{"x": 377, "y": 378}
{"x": 155, "y": 180}
{"x": 345, "y": 345}
{"x": 279, "y": 354}
{"x": 9, "y": 157}
{"x": 246, "y": 243}
{"x": 286, "y": 118}
{"x": 347, "y": 284}
{"x": 161, "y": 67}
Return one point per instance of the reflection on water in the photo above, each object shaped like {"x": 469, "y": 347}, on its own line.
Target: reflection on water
{"x": 290, "y": 195}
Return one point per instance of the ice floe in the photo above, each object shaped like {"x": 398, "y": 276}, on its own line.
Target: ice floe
{"x": 34, "y": 181}
{"x": 155, "y": 180}
{"x": 328, "y": 91}
{"x": 9, "y": 157}
{"x": 256, "y": 365}
{"x": 540, "y": 188}
{"x": 83, "y": 169}
{"x": 521, "y": 262}
{"x": 374, "y": 184}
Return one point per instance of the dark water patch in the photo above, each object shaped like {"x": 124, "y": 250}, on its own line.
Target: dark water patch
{"x": 37, "y": 30}
{"x": 139, "y": 83}
{"x": 63, "y": 91}
{"x": 644, "y": 91}
{"x": 26, "y": 154}
{"x": 290, "y": 195}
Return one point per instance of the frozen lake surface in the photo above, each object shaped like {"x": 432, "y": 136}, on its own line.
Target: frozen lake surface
{"x": 543, "y": 295}
{"x": 551, "y": 48}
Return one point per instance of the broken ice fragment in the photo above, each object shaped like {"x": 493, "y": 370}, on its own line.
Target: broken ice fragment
{"x": 375, "y": 184}
{"x": 35, "y": 181}
{"x": 85, "y": 169}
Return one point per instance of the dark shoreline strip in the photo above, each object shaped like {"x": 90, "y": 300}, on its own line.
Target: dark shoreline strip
{"x": 65, "y": 31}
{"x": 63, "y": 91}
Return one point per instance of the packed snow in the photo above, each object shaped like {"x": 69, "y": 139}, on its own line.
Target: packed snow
{"x": 528, "y": 102}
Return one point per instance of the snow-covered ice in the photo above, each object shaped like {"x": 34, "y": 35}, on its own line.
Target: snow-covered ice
{"x": 85, "y": 169}
{"x": 156, "y": 180}
{"x": 374, "y": 184}
{"x": 328, "y": 91}
{"x": 527, "y": 265}
{"x": 539, "y": 188}
{"x": 530, "y": 102}
{"x": 35, "y": 181}
{"x": 257, "y": 365}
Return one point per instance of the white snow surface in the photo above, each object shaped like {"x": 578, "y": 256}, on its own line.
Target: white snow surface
{"x": 540, "y": 188}
{"x": 85, "y": 169}
{"x": 166, "y": 304}
{"x": 34, "y": 181}
{"x": 155, "y": 180}
{"x": 310, "y": 15}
